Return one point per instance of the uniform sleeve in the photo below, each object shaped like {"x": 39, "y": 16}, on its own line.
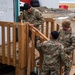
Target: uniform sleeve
{"x": 40, "y": 45}
{"x": 64, "y": 56}
{"x": 24, "y": 16}
{"x": 39, "y": 19}
{"x": 72, "y": 47}
{"x": 60, "y": 35}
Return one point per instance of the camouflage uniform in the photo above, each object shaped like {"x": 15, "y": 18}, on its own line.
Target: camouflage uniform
{"x": 34, "y": 17}
{"x": 52, "y": 54}
{"x": 68, "y": 41}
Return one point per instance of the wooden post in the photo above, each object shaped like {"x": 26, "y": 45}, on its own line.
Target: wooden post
{"x": 33, "y": 50}
{"x": 8, "y": 45}
{"x": 28, "y": 52}
{"x": 47, "y": 25}
{"x": 20, "y": 71}
{"x": 41, "y": 57}
{"x": 29, "y": 62}
{"x": 57, "y": 27}
{"x": 3, "y": 45}
{"x": 14, "y": 45}
{"x": 42, "y": 28}
{"x": 22, "y": 45}
{"x": 52, "y": 26}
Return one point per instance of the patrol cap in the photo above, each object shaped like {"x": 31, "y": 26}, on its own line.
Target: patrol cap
{"x": 66, "y": 23}
{"x": 26, "y": 6}
{"x": 55, "y": 34}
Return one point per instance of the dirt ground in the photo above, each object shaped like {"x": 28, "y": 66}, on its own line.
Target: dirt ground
{"x": 54, "y": 13}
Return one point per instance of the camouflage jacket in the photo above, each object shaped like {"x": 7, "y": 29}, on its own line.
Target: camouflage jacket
{"x": 35, "y": 17}
{"x": 68, "y": 40}
{"x": 53, "y": 53}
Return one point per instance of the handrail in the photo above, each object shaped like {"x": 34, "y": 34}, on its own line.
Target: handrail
{"x": 9, "y": 46}
{"x": 38, "y": 33}
{"x": 6, "y": 28}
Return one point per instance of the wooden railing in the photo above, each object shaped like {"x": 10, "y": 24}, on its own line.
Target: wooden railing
{"x": 5, "y": 33}
{"x": 23, "y": 51}
{"x": 48, "y": 26}
{"x": 12, "y": 52}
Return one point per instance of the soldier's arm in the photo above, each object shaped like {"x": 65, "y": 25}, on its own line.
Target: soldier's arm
{"x": 65, "y": 59}
{"x": 40, "y": 20}
{"x": 40, "y": 45}
{"x": 60, "y": 34}
{"x": 72, "y": 47}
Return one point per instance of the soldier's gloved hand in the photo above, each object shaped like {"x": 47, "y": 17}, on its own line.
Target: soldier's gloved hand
{"x": 67, "y": 73}
{"x": 31, "y": 25}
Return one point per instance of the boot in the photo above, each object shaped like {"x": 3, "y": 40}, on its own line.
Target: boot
{"x": 67, "y": 73}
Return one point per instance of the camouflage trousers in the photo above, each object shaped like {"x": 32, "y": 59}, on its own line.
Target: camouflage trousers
{"x": 69, "y": 64}
{"x": 67, "y": 70}
{"x": 46, "y": 70}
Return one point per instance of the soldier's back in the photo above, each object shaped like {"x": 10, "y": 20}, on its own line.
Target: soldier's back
{"x": 51, "y": 56}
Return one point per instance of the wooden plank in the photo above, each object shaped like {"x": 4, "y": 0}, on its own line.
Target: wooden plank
{"x": 57, "y": 28}
{"x": 28, "y": 53}
{"x": 27, "y": 44}
{"x": 38, "y": 33}
{"x": 8, "y": 45}
{"x": 33, "y": 50}
{"x": 47, "y": 29}
{"x": 49, "y": 20}
{"x": 19, "y": 43}
{"x": 52, "y": 26}
{"x": 3, "y": 45}
{"x": 14, "y": 45}
{"x": 42, "y": 28}
{"x": 22, "y": 45}
{"x": 29, "y": 62}
{"x": 41, "y": 57}
{"x": 3, "y": 23}
{"x": 20, "y": 71}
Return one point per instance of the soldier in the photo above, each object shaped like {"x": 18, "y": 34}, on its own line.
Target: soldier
{"x": 52, "y": 54}
{"x": 32, "y": 15}
{"x": 67, "y": 40}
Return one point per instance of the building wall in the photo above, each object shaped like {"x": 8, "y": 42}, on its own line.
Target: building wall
{"x": 49, "y": 3}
